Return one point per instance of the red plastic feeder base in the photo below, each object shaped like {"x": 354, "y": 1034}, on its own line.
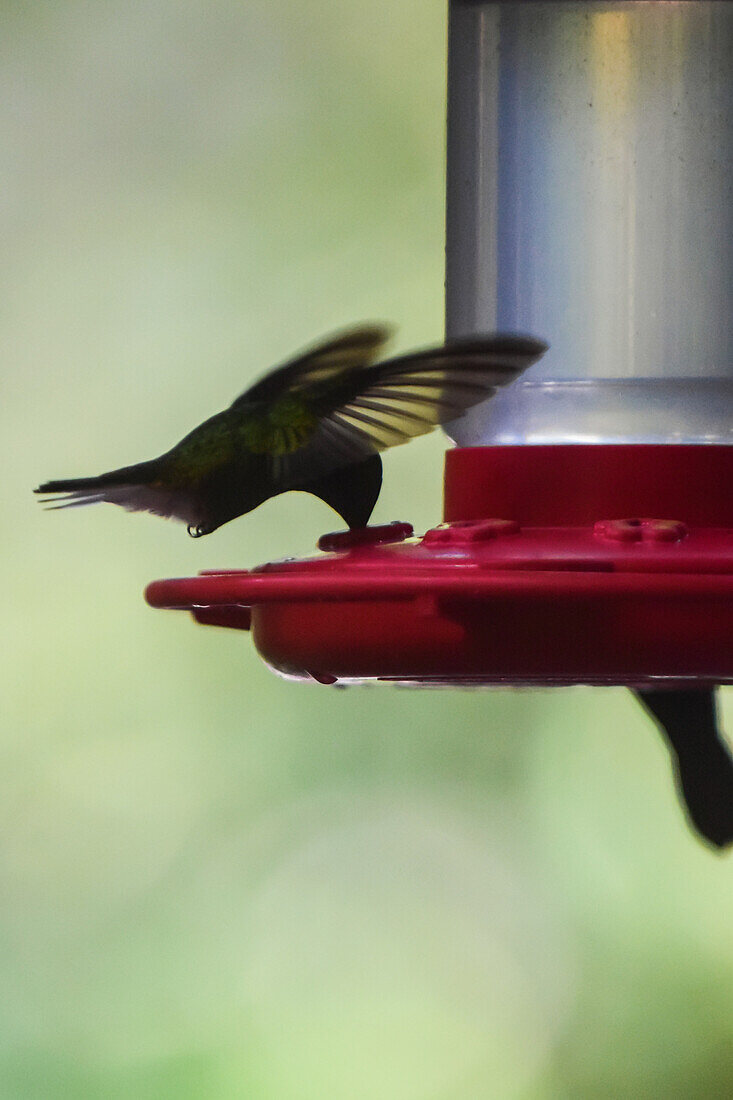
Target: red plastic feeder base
{"x": 556, "y": 565}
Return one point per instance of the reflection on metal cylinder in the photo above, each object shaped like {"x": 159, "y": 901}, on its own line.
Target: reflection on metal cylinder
{"x": 590, "y": 202}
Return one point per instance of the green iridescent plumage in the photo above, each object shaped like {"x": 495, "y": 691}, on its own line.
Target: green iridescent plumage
{"x": 282, "y": 429}
{"x": 316, "y": 424}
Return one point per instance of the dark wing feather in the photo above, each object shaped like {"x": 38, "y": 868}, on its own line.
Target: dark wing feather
{"x": 358, "y": 413}
{"x": 350, "y": 350}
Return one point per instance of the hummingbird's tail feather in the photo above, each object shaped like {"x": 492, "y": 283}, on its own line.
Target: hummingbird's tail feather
{"x": 133, "y": 488}
{"x": 71, "y": 500}
{"x": 140, "y": 474}
{"x": 74, "y": 492}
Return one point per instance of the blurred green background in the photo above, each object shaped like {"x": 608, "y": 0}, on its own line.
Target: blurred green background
{"x": 213, "y": 883}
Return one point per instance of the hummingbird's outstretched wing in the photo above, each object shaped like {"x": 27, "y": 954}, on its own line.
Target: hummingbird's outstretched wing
{"x": 330, "y": 408}
{"x": 349, "y": 350}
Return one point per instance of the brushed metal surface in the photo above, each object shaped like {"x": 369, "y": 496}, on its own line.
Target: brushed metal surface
{"x": 590, "y": 202}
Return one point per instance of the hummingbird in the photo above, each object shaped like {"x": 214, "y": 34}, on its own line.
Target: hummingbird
{"x": 317, "y": 424}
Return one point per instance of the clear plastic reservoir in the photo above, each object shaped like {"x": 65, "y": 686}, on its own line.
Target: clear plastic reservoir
{"x": 590, "y": 203}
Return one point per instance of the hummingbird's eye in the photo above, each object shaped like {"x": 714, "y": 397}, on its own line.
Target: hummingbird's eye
{"x": 197, "y": 531}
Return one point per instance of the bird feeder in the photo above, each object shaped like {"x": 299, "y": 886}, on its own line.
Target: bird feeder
{"x": 587, "y": 534}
